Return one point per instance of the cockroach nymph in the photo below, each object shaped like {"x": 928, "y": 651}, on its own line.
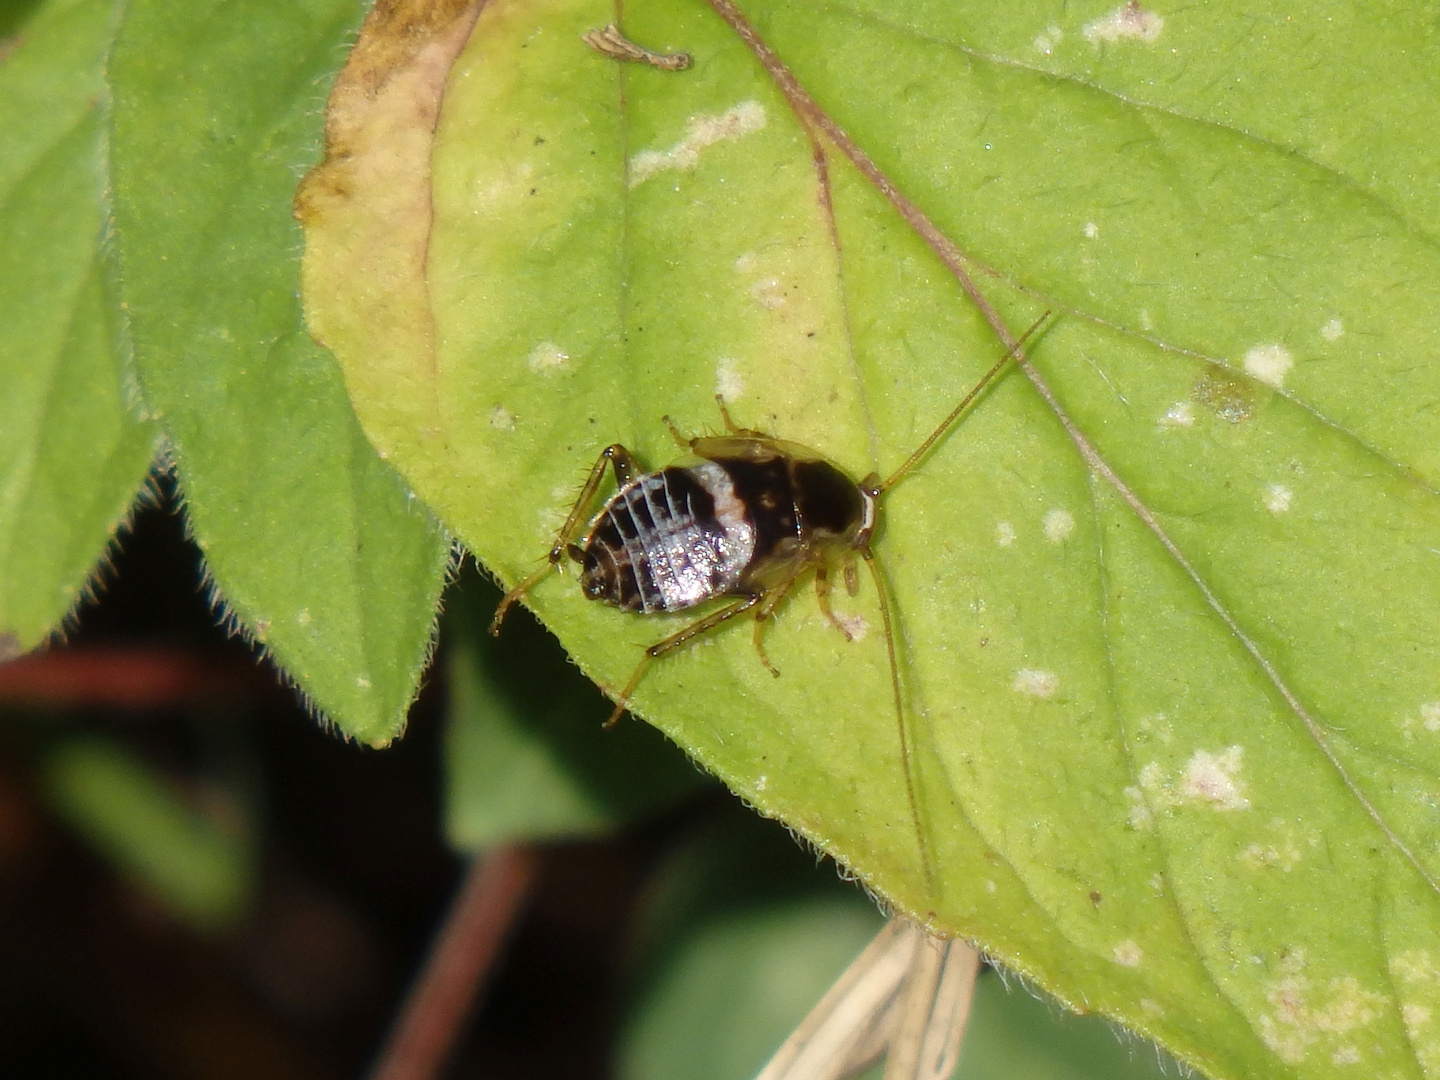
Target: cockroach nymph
{"x": 745, "y": 516}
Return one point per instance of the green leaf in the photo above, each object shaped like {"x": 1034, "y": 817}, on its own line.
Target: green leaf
{"x": 71, "y": 454}
{"x": 199, "y": 865}
{"x": 526, "y": 756}
{"x": 314, "y": 546}
{"x": 1166, "y": 601}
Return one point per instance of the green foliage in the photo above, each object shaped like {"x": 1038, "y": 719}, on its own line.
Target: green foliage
{"x": 71, "y": 454}
{"x": 313, "y": 544}
{"x": 194, "y": 858}
{"x": 1166, "y": 600}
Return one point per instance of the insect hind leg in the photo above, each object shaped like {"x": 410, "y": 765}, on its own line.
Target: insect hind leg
{"x": 675, "y": 641}
{"x": 623, "y": 462}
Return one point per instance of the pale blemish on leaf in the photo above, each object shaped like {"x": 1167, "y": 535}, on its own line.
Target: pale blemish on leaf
{"x": 1284, "y": 850}
{"x": 547, "y": 356}
{"x": 1059, "y": 525}
{"x": 1128, "y": 954}
{"x": 1047, "y": 39}
{"x": 1179, "y": 415}
{"x": 502, "y": 419}
{"x": 1416, "y": 974}
{"x": 1214, "y": 779}
{"x": 1138, "y": 816}
{"x": 1129, "y": 22}
{"x": 1036, "y": 683}
{"x": 1304, "y": 1017}
{"x": 1091, "y": 230}
{"x": 700, "y": 132}
{"x": 1430, "y": 715}
{"x": 1004, "y": 533}
{"x": 854, "y": 625}
{"x": 362, "y": 681}
{"x": 729, "y": 383}
{"x": 303, "y": 617}
{"x": 1332, "y": 330}
{"x": 769, "y": 293}
{"x": 1278, "y": 498}
{"x": 1151, "y": 1007}
{"x": 1269, "y": 363}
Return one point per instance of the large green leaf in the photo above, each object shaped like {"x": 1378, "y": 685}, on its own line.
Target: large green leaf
{"x": 1166, "y": 601}
{"x": 312, "y": 542}
{"x": 71, "y": 454}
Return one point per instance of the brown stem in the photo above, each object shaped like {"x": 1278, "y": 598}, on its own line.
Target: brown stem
{"x": 463, "y": 954}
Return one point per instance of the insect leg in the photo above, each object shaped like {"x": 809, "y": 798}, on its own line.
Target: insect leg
{"x": 772, "y": 598}
{"x": 675, "y": 641}
{"x": 730, "y": 424}
{"x": 883, "y": 597}
{"x": 822, "y": 597}
{"x": 680, "y": 440}
{"x": 623, "y": 462}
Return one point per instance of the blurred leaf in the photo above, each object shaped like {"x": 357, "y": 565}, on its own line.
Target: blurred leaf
{"x": 71, "y": 454}
{"x": 1167, "y": 609}
{"x": 526, "y": 756}
{"x": 743, "y": 934}
{"x": 196, "y": 863}
{"x": 312, "y": 542}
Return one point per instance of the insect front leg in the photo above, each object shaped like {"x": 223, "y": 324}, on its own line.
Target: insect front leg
{"x": 772, "y": 598}
{"x": 822, "y": 597}
{"x": 624, "y": 465}
{"x": 675, "y": 641}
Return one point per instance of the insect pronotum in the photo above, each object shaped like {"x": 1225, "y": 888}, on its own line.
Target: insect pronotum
{"x": 746, "y": 516}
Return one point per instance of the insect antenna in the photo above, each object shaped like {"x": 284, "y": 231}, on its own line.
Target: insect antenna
{"x": 883, "y": 595}
{"x": 975, "y": 391}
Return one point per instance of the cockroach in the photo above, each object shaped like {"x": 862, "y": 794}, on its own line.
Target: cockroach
{"x": 744, "y": 517}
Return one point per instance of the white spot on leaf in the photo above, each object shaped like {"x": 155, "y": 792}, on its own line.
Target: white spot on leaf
{"x": 1215, "y": 779}
{"x": 855, "y": 625}
{"x": 1332, "y": 330}
{"x": 1278, "y": 498}
{"x": 362, "y": 682}
{"x": 1179, "y": 415}
{"x": 303, "y": 617}
{"x": 700, "y": 132}
{"x": 729, "y": 384}
{"x": 1004, "y": 533}
{"x": 1269, "y": 363}
{"x": 769, "y": 293}
{"x": 1128, "y": 954}
{"x": 502, "y": 419}
{"x": 1127, "y": 22}
{"x": 1046, "y": 41}
{"x": 1035, "y": 683}
{"x": 1430, "y": 715}
{"x": 1306, "y": 1015}
{"x": 1091, "y": 230}
{"x": 547, "y": 356}
{"x": 1059, "y": 524}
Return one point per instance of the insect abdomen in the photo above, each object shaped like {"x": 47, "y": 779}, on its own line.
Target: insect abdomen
{"x": 668, "y": 541}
